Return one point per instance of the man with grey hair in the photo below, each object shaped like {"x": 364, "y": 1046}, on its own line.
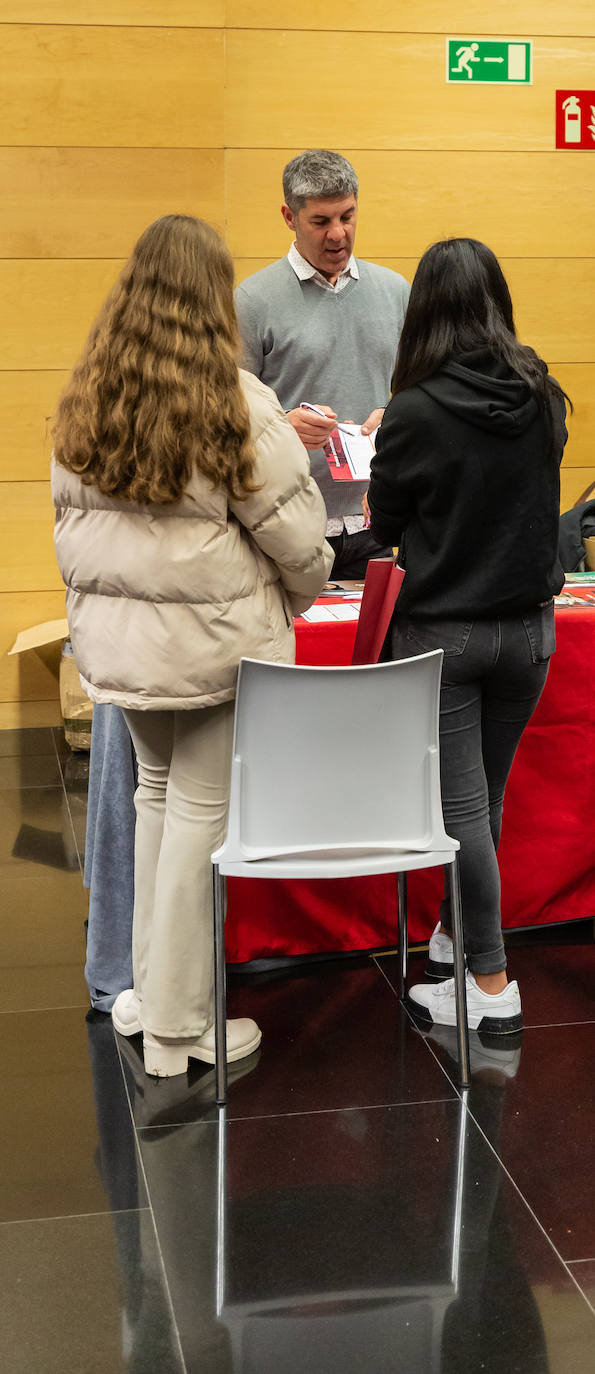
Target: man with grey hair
{"x": 322, "y": 328}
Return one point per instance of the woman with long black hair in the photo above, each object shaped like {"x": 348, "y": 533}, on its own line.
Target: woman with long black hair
{"x": 466, "y": 481}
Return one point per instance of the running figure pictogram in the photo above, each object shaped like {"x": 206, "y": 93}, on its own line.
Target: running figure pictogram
{"x": 466, "y": 54}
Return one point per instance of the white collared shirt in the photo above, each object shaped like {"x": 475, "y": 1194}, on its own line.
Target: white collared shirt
{"x": 304, "y": 271}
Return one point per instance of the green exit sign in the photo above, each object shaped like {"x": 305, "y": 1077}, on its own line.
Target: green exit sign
{"x": 477, "y": 60}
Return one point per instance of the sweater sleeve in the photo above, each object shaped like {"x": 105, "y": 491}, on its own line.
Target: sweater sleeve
{"x": 286, "y": 517}
{"x": 250, "y": 331}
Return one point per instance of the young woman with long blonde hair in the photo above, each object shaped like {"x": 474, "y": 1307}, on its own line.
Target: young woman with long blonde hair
{"x": 188, "y": 532}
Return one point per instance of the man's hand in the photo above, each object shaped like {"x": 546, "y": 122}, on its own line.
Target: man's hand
{"x": 372, "y": 422}
{"x": 311, "y": 428}
{"x": 366, "y": 510}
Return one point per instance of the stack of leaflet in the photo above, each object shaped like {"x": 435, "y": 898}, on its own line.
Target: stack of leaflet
{"x": 578, "y": 590}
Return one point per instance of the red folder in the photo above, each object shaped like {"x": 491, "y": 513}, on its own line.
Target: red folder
{"x": 381, "y": 589}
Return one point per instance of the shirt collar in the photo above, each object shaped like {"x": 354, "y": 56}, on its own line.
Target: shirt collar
{"x": 304, "y": 271}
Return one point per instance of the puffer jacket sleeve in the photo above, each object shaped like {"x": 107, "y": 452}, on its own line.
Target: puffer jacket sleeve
{"x": 286, "y": 517}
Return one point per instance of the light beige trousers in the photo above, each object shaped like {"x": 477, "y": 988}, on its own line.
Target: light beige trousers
{"x": 184, "y": 763}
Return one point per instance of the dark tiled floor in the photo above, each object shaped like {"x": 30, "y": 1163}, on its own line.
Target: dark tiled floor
{"x": 350, "y": 1211}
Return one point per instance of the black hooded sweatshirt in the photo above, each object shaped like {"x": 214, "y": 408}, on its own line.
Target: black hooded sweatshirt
{"x": 466, "y": 481}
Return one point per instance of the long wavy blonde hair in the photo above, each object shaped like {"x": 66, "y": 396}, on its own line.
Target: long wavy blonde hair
{"x": 157, "y": 391}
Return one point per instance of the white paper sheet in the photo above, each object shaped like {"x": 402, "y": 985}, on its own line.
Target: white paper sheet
{"x": 344, "y": 612}
{"x": 330, "y": 613}
{"x": 318, "y": 613}
{"x": 359, "y": 450}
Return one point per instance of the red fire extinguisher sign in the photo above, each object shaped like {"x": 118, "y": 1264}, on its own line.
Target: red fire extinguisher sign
{"x": 575, "y": 119}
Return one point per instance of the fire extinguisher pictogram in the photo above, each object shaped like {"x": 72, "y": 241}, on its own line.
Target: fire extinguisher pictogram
{"x": 572, "y": 119}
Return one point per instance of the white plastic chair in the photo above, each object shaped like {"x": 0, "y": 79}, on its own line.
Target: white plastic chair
{"x": 336, "y": 773}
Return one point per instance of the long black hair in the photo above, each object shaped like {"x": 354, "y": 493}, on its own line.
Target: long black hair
{"x": 460, "y": 302}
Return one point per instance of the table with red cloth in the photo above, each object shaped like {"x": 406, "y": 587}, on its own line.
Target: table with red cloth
{"x": 547, "y": 851}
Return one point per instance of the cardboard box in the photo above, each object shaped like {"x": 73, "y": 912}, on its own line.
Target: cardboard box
{"x": 77, "y": 710}
{"x": 589, "y": 554}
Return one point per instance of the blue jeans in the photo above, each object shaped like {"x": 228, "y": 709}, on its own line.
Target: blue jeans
{"x": 493, "y": 674}
{"x": 109, "y": 857}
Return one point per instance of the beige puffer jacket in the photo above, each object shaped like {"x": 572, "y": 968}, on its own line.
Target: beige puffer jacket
{"x": 164, "y": 601}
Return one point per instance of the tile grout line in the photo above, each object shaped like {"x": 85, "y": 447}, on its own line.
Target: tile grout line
{"x": 415, "y": 1028}
{"x": 527, "y": 1204}
{"x": 32, "y": 1011}
{"x": 315, "y": 1111}
{"x": 557, "y": 1025}
{"x": 81, "y": 865}
{"x": 152, "y": 1212}
{"x": 509, "y": 1176}
{"x": 73, "y": 1216}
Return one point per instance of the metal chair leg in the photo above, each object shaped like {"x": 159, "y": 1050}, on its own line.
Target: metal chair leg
{"x": 221, "y": 1211}
{"x": 220, "y": 988}
{"x": 403, "y": 933}
{"x": 454, "y": 880}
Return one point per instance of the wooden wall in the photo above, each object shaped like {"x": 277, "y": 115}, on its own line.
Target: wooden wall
{"x": 116, "y": 111}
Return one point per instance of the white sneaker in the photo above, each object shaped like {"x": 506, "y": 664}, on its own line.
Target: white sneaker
{"x": 440, "y": 955}
{"x": 165, "y": 1058}
{"x": 498, "y": 1014}
{"x": 126, "y": 1013}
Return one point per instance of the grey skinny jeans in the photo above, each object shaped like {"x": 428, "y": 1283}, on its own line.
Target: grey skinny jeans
{"x": 493, "y": 674}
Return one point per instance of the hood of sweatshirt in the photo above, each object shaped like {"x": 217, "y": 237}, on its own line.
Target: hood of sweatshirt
{"x": 483, "y": 391}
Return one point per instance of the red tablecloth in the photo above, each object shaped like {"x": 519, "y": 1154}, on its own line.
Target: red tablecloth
{"x": 547, "y": 852}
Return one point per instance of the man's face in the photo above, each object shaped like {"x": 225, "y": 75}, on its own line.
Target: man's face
{"x": 325, "y": 232}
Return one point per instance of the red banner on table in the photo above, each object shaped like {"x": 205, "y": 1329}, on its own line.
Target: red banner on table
{"x": 575, "y": 119}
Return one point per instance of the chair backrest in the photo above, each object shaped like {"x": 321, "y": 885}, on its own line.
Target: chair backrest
{"x": 335, "y": 758}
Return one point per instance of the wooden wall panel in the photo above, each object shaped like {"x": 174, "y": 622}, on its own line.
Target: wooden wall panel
{"x": 578, "y": 381}
{"x": 398, "y": 98}
{"x": 573, "y": 485}
{"x": 140, "y": 13}
{"x": 27, "y": 402}
{"x": 104, "y": 87}
{"x": 27, "y": 558}
{"x": 507, "y": 17}
{"x": 101, "y": 198}
{"x": 48, "y": 308}
{"x": 29, "y": 715}
{"x": 509, "y": 200}
{"x": 549, "y": 298}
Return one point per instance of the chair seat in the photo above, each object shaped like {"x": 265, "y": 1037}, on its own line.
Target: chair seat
{"x": 335, "y": 863}
{"x": 310, "y": 740}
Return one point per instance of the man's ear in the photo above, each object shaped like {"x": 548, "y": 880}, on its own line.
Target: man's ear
{"x": 289, "y": 217}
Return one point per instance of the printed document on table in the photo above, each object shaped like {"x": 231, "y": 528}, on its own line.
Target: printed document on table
{"x": 330, "y": 613}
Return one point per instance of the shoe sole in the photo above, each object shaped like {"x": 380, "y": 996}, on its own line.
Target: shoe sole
{"x": 162, "y": 1062}
{"x": 489, "y": 1025}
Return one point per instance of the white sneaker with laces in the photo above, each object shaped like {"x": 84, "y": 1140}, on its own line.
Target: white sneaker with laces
{"x": 494, "y": 1014}
{"x": 126, "y": 1013}
{"x": 166, "y": 1058}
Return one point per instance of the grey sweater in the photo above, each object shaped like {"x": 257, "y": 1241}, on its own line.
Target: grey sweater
{"x": 326, "y": 347}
